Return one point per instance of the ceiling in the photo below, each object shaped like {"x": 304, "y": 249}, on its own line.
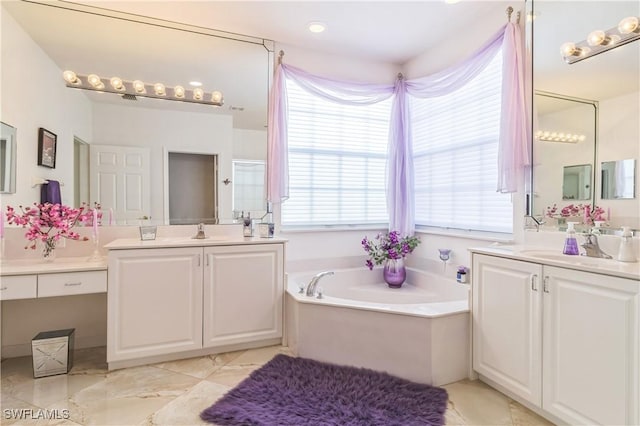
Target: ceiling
{"x": 383, "y": 31}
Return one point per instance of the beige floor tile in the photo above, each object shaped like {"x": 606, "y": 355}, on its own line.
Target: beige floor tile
{"x": 232, "y": 375}
{"x": 186, "y": 409}
{"x": 127, "y": 397}
{"x": 260, "y": 356}
{"x": 200, "y": 367}
{"x": 522, "y": 416}
{"x": 474, "y": 403}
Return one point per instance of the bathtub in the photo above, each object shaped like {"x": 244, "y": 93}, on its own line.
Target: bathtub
{"x": 419, "y": 332}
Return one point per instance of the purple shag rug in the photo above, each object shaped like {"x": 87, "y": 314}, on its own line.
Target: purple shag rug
{"x": 299, "y": 391}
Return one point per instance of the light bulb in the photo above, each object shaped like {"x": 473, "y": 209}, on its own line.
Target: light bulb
{"x": 159, "y": 89}
{"x": 569, "y": 49}
{"x": 178, "y": 92}
{"x": 598, "y": 38}
{"x": 71, "y": 77}
{"x": 561, "y": 135}
{"x": 95, "y": 81}
{"x": 116, "y": 83}
{"x": 138, "y": 86}
{"x": 539, "y": 133}
{"x": 582, "y": 138}
{"x": 198, "y": 93}
{"x": 216, "y": 97}
{"x": 546, "y": 134}
{"x": 628, "y": 25}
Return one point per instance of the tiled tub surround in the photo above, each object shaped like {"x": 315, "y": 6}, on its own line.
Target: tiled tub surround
{"x": 419, "y": 332}
{"x": 561, "y": 334}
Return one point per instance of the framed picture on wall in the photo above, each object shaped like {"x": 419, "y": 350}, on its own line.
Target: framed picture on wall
{"x": 46, "y": 148}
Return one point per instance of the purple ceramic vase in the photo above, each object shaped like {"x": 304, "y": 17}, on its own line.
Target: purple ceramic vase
{"x": 394, "y": 272}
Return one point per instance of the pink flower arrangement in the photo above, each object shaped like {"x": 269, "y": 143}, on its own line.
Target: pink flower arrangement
{"x": 49, "y": 223}
{"x": 388, "y": 246}
{"x": 584, "y": 210}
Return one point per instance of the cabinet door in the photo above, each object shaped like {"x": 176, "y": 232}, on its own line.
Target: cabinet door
{"x": 154, "y": 302}
{"x": 591, "y": 345}
{"x": 243, "y": 292}
{"x": 506, "y": 324}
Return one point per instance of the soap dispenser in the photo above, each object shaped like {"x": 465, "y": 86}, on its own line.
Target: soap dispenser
{"x": 570, "y": 242}
{"x": 626, "y": 252}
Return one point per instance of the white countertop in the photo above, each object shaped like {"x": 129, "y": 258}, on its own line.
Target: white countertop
{"x": 60, "y": 264}
{"x": 545, "y": 256}
{"x": 135, "y": 243}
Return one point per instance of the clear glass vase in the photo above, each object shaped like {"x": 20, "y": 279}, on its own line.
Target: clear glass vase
{"x": 48, "y": 249}
{"x": 394, "y": 272}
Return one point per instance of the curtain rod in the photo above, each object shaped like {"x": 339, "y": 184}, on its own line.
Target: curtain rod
{"x": 280, "y": 55}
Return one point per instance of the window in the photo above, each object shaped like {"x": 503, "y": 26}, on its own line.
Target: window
{"x": 337, "y": 160}
{"x": 455, "y": 146}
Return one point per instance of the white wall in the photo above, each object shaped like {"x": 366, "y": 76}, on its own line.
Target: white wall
{"x": 33, "y": 95}
{"x": 249, "y": 144}
{"x": 163, "y": 130}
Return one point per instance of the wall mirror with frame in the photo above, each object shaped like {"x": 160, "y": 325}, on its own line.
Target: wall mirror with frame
{"x": 611, "y": 123}
{"x": 118, "y": 146}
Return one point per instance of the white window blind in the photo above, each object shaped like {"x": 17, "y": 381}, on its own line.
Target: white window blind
{"x": 455, "y": 145}
{"x": 337, "y": 158}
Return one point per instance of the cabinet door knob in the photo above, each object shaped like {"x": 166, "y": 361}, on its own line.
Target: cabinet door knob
{"x": 534, "y": 282}
{"x": 545, "y": 286}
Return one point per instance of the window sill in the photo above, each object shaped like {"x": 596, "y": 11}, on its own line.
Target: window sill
{"x": 468, "y": 234}
{"x": 332, "y": 228}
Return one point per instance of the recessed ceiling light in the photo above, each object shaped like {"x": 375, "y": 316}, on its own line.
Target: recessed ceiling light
{"x": 195, "y": 83}
{"x": 317, "y": 27}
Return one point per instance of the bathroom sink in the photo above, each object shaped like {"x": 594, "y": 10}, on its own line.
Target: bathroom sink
{"x": 559, "y": 257}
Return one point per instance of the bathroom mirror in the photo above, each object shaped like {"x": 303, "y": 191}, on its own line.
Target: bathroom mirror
{"x": 85, "y": 39}
{"x": 8, "y": 145}
{"x": 618, "y": 179}
{"x": 563, "y": 150}
{"x": 609, "y": 81}
{"x": 576, "y": 183}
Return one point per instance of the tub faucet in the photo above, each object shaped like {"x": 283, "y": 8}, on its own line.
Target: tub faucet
{"x": 592, "y": 247}
{"x": 311, "y": 287}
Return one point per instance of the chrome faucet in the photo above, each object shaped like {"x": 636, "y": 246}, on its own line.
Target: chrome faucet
{"x": 311, "y": 287}
{"x": 592, "y": 247}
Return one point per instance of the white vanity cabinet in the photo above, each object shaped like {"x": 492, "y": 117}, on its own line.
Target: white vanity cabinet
{"x": 243, "y": 292}
{"x": 154, "y": 302}
{"x": 566, "y": 341}
{"x": 182, "y": 299}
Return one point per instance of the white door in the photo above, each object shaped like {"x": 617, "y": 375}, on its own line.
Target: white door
{"x": 506, "y": 324}
{"x": 243, "y": 293}
{"x": 120, "y": 180}
{"x": 154, "y": 302}
{"x": 591, "y": 344}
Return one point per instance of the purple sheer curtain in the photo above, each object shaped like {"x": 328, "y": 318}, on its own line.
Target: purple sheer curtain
{"x": 400, "y": 184}
{"x": 513, "y": 144}
{"x": 515, "y": 121}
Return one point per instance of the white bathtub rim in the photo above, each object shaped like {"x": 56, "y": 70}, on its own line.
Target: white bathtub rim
{"x": 429, "y": 310}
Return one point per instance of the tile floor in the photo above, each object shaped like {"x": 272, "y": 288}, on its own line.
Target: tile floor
{"x": 174, "y": 393}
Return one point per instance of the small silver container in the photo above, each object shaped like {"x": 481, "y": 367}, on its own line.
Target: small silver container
{"x": 52, "y": 352}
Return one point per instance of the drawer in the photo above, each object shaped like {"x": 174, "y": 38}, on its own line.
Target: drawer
{"x": 18, "y": 287}
{"x": 70, "y": 283}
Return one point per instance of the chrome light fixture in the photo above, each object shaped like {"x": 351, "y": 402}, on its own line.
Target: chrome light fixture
{"x": 599, "y": 41}
{"x": 138, "y": 88}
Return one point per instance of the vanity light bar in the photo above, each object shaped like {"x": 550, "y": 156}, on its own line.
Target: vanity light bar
{"x": 545, "y": 135}
{"x": 599, "y": 41}
{"x": 133, "y": 89}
